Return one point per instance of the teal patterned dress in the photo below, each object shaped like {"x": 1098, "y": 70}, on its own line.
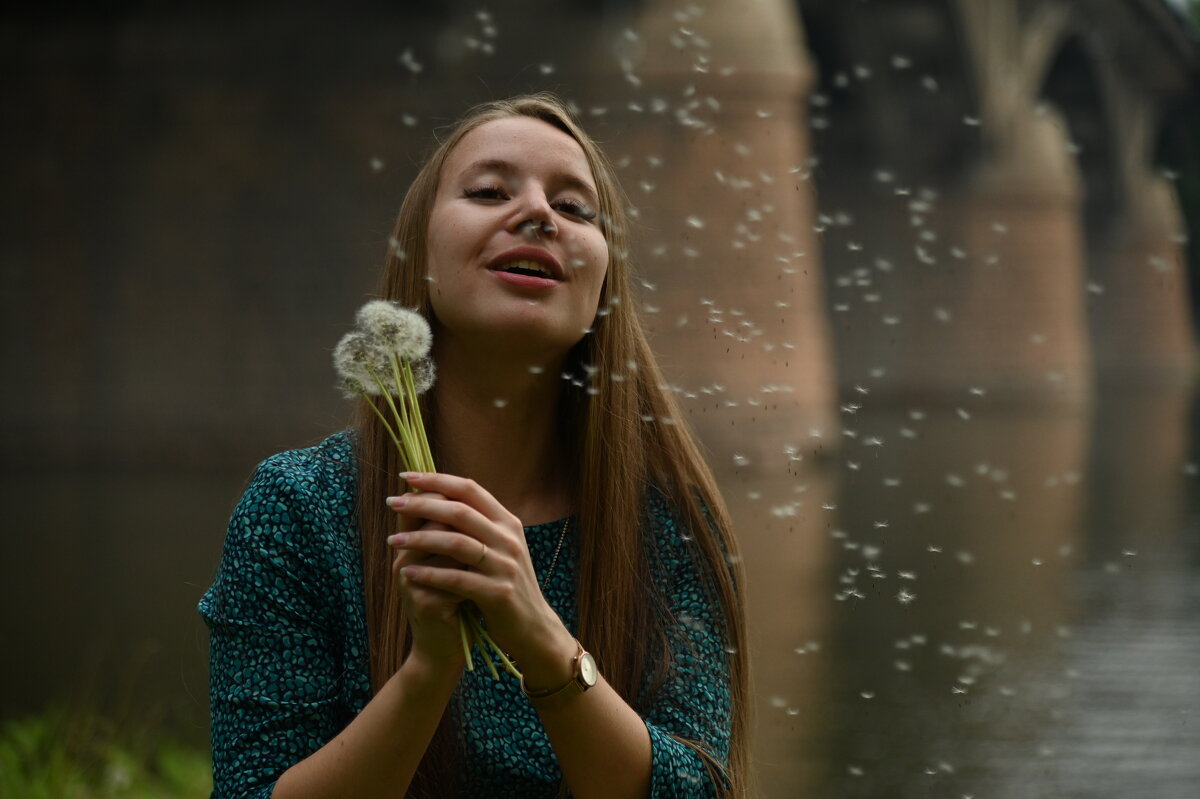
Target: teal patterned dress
{"x": 288, "y": 650}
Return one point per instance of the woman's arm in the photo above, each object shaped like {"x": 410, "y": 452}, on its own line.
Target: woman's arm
{"x": 378, "y": 753}
{"x": 601, "y": 743}
{"x": 691, "y": 718}
{"x": 288, "y": 661}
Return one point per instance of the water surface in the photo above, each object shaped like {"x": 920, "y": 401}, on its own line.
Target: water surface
{"x": 961, "y": 602}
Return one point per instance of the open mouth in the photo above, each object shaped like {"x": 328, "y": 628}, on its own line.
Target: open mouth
{"x": 530, "y": 268}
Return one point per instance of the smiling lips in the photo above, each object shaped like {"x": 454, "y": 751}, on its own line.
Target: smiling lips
{"x": 530, "y": 267}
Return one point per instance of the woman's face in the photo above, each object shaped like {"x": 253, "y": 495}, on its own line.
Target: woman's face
{"x": 516, "y": 257}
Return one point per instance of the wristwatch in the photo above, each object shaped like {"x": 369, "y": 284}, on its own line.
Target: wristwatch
{"x": 584, "y": 675}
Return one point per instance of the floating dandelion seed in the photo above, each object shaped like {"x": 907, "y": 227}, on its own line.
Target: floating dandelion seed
{"x": 410, "y": 63}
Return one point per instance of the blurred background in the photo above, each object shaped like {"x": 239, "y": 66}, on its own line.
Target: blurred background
{"x": 919, "y": 271}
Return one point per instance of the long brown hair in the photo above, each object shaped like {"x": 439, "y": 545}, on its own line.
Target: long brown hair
{"x": 626, "y": 434}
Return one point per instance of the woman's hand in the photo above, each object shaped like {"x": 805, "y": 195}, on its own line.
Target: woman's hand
{"x": 473, "y": 548}
{"x": 432, "y": 614}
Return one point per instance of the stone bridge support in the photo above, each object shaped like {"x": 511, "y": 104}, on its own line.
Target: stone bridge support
{"x": 996, "y": 223}
{"x": 704, "y": 106}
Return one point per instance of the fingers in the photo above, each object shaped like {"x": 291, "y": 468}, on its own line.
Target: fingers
{"x": 435, "y": 561}
{"x": 451, "y": 513}
{"x": 406, "y": 521}
{"x": 461, "y": 489}
{"x": 458, "y": 582}
{"x": 465, "y": 550}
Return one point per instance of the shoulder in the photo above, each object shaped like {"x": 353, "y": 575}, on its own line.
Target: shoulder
{"x": 685, "y": 543}
{"x": 670, "y": 538}
{"x": 324, "y": 466}
{"x": 293, "y": 526}
{"x": 668, "y": 522}
{"x": 321, "y": 477}
{"x": 297, "y": 496}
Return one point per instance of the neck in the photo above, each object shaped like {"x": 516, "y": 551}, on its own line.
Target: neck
{"x": 497, "y": 423}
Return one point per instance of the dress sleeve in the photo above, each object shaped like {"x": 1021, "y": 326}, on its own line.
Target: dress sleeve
{"x": 692, "y": 711}
{"x": 273, "y": 658}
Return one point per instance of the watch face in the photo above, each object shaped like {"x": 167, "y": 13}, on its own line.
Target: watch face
{"x": 587, "y": 669}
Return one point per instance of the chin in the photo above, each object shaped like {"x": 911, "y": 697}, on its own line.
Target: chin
{"x": 526, "y": 335}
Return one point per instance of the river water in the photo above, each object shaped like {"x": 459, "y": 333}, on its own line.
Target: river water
{"x": 962, "y": 601}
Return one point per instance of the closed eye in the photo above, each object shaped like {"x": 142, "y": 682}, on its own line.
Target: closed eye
{"x": 575, "y": 209}
{"x": 487, "y": 192}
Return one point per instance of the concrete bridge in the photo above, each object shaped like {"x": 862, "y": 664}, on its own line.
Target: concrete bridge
{"x": 1002, "y": 159}
{"x": 199, "y": 197}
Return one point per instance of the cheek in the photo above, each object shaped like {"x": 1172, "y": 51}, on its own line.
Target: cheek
{"x": 601, "y": 270}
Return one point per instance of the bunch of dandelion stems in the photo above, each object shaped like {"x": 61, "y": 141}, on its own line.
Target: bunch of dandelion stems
{"x": 408, "y": 434}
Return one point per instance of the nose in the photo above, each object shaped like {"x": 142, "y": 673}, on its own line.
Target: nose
{"x": 532, "y": 214}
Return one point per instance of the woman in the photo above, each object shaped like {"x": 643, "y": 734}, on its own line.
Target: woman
{"x": 572, "y": 508}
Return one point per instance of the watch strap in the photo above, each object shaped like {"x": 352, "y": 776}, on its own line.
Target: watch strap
{"x": 574, "y": 686}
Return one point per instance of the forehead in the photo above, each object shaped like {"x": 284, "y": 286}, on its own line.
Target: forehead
{"x": 526, "y": 144}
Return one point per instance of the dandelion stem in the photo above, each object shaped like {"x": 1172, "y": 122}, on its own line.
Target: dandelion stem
{"x": 509, "y": 666}
{"x": 407, "y": 450}
{"x": 411, "y": 390}
{"x": 480, "y": 635}
{"x": 466, "y": 644}
{"x": 386, "y": 424}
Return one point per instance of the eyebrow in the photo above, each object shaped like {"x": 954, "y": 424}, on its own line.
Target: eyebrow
{"x": 505, "y": 168}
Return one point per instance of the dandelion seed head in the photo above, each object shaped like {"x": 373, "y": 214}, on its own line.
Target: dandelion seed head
{"x": 351, "y": 388}
{"x": 424, "y": 374}
{"x": 354, "y": 358}
{"x": 397, "y": 329}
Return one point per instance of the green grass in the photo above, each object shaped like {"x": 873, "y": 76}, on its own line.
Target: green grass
{"x": 63, "y": 755}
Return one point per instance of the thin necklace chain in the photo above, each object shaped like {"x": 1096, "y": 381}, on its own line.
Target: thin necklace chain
{"x": 561, "y": 538}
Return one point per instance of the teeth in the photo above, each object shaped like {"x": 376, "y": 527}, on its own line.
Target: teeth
{"x": 532, "y": 266}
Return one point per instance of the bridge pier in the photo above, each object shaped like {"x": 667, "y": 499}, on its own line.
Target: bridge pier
{"x": 716, "y": 146}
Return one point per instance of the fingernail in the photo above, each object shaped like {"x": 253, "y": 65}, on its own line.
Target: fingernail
{"x": 397, "y": 539}
{"x": 397, "y": 502}
{"x": 408, "y": 476}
